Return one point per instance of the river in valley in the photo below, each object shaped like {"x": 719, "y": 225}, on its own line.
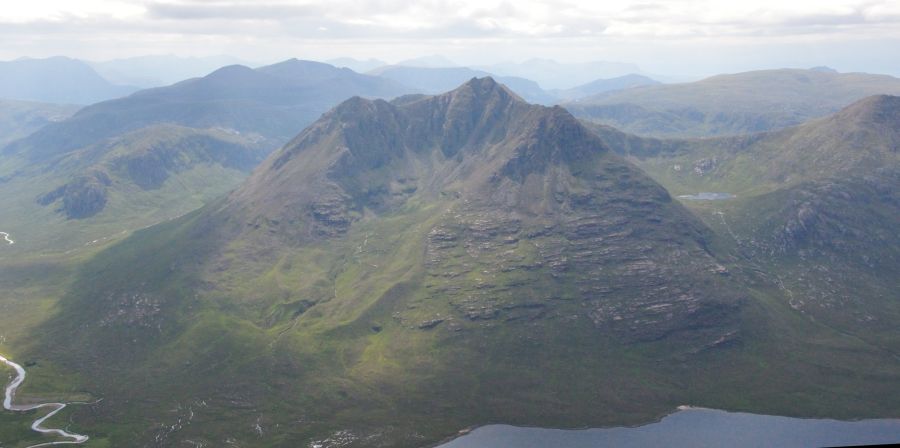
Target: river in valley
{"x": 38, "y": 425}
{"x": 694, "y": 428}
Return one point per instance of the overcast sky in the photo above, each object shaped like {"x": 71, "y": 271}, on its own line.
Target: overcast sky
{"x": 690, "y": 37}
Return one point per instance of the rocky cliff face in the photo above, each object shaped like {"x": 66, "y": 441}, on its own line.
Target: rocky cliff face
{"x": 535, "y": 205}
{"x": 83, "y": 197}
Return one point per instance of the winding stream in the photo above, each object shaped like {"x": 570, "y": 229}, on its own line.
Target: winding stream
{"x": 6, "y": 237}
{"x": 38, "y": 424}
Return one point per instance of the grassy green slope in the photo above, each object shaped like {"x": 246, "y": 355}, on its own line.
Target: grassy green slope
{"x": 249, "y": 351}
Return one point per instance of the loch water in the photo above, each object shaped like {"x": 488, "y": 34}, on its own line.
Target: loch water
{"x": 694, "y": 428}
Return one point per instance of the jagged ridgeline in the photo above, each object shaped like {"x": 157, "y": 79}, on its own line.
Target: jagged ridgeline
{"x": 523, "y": 210}
{"x": 401, "y": 270}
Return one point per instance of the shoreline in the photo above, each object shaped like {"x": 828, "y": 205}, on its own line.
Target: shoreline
{"x": 680, "y": 408}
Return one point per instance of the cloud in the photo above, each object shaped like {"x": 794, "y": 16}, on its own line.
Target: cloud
{"x": 483, "y": 28}
{"x": 462, "y": 19}
{"x": 230, "y": 10}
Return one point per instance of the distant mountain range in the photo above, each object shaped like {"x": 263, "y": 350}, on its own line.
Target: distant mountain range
{"x": 732, "y": 104}
{"x": 431, "y": 61}
{"x": 270, "y": 102}
{"x": 91, "y": 82}
{"x": 433, "y": 80}
{"x": 56, "y": 80}
{"x": 357, "y": 65}
{"x": 551, "y": 74}
{"x": 160, "y": 70}
{"x": 601, "y": 86}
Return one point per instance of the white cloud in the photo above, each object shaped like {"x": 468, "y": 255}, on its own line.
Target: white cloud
{"x": 35, "y": 10}
{"x": 395, "y": 29}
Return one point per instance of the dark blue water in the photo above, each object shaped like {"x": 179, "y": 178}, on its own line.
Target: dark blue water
{"x": 706, "y": 196}
{"x": 693, "y": 428}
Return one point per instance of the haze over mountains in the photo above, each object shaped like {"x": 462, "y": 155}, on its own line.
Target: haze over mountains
{"x": 551, "y": 74}
{"x": 160, "y": 70}
{"x": 56, "y": 80}
{"x": 732, "y": 104}
{"x": 89, "y": 82}
{"x": 20, "y": 118}
{"x": 433, "y": 80}
{"x": 270, "y": 102}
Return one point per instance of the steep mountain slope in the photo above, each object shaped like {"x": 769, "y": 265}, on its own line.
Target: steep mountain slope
{"x": 403, "y": 270}
{"x": 56, "y": 80}
{"x": 20, "y": 118}
{"x": 732, "y": 104}
{"x": 816, "y": 206}
{"x": 271, "y": 102}
{"x": 440, "y": 79}
{"x": 119, "y": 184}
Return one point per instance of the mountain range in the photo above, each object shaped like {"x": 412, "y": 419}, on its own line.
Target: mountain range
{"x": 601, "y": 86}
{"x": 561, "y": 75}
{"x": 159, "y": 70}
{"x": 431, "y": 80}
{"x": 400, "y": 270}
{"x": 270, "y": 102}
{"x": 130, "y": 162}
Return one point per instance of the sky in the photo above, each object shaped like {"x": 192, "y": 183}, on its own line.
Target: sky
{"x": 677, "y": 37}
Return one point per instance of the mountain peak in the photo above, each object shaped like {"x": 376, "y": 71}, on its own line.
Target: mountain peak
{"x": 478, "y": 96}
{"x": 302, "y": 70}
{"x": 235, "y": 71}
{"x": 486, "y": 82}
{"x": 876, "y": 109}
{"x": 479, "y": 141}
{"x": 484, "y": 86}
